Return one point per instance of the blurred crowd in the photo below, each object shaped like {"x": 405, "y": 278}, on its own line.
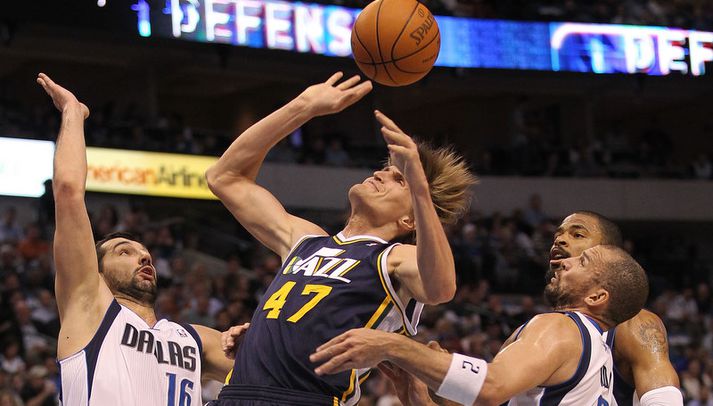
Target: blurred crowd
{"x": 501, "y": 260}
{"x": 535, "y": 145}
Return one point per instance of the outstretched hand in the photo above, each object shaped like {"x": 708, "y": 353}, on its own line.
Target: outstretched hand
{"x": 355, "y": 349}
{"x": 403, "y": 151}
{"x": 62, "y": 98}
{"x": 331, "y": 97}
{"x": 228, "y": 339}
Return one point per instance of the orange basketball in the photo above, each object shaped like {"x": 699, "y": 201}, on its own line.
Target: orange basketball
{"x": 395, "y": 42}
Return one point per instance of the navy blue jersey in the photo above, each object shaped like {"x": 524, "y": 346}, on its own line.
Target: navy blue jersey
{"x": 327, "y": 285}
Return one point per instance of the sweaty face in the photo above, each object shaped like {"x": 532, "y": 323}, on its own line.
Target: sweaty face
{"x": 385, "y": 195}
{"x": 128, "y": 270}
{"x": 573, "y": 278}
{"x": 578, "y": 232}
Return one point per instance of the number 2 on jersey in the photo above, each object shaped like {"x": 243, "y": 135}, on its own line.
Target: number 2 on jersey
{"x": 277, "y": 300}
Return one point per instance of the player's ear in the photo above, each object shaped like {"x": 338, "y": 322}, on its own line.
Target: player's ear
{"x": 407, "y": 223}
{"x": 599, "y": 297}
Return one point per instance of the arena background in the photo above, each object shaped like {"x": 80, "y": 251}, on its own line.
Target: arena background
{"x": 633, "y": 146}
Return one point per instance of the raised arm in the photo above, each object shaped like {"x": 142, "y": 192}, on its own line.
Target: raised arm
{"x": 546, "y": 353}
{"x": 641, "y": 343}
{"x": 232, "y": 178}
{"x": 426, "y": 270}
{"x": 82, "y": 298}
{"x": 77, "y": 280}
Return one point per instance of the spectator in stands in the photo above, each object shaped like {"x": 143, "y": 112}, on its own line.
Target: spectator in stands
{"x": 32, "y": 246}
{"x": 10, "y": 230}
{"x": 10, "y": 360}
{"x": 38, "y": 390}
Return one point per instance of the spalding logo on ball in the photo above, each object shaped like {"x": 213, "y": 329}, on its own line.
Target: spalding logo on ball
{"x": 395, "y": 42}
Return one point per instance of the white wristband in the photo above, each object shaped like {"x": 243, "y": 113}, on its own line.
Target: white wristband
{"x": 464, "y": 379}
{"x": 666, "y": 396}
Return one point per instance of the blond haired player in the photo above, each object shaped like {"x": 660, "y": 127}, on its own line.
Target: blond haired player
{"x": 359, "y": 277}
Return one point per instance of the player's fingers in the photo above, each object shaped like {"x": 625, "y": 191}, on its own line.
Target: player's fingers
{"x": 386, "y": 121}
{"x": 349, "y": 82}
{"x": 334, "y": 78}
{"x": 337, "y": 364}
{"x": 336, "y": 340}
{"x": 395, "y": 136}
{"x": 357, "y": 92}
{"x": 396, "y": 149}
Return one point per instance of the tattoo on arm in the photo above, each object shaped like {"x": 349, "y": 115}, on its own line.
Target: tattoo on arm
{"x": 650, "y": 333}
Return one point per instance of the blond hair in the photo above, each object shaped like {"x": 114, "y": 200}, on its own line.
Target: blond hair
{"x": 449, "y": 181}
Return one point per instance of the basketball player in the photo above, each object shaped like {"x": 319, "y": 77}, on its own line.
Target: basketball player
{"x": 356, "y": 278}
{"x": 561, "y": 357}
{"x": 643, "y": 374}
{"x": 111, "y": 349}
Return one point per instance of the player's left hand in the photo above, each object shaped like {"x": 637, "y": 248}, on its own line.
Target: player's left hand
{"x": 357, "y": 348}
{"x": 229, "y": 338}
{"x": 403, "y": 151}
{"x": 62, "y": 98}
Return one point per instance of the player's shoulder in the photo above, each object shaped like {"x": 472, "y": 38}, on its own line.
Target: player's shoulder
{"x": 557, "y": 327}
{"x": 641, "y": 335}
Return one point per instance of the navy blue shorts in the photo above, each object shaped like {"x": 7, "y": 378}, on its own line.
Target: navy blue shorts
{"x": 249, "y": 395}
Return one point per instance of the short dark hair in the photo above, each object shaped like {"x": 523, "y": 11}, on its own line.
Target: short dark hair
{"x": 117, "y": 234}
{"x": 626, "y": 282}
{"x": 611, "y": 234}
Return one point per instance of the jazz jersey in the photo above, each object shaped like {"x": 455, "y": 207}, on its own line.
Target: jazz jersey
{"x": 327, "y": 285}
{"x": 128, "y": 362}
{"x": 591, "y": 383}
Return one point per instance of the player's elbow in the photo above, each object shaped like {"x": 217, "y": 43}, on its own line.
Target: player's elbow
{"x": 441, "y": 294}
{"x": 218, "y": 181}
{"x": 64, "y": 190}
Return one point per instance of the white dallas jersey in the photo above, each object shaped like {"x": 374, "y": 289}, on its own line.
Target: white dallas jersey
{"x": 591, "y": 383}
{"x": 129, "y": 363}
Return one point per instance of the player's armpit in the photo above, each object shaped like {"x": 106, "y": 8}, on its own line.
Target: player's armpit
{"x": 215, "y": 365}
{"x": 261, "y": 213}
{"x": 642, "y": 343}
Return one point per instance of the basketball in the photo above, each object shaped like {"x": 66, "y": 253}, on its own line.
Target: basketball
{"x": 395, "y": 42}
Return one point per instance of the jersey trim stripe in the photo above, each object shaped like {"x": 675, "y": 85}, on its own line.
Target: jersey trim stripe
{"x": 192, "y": 331}
{"x": 380, "y": 313}
{"x": 553, "y": 395}
{"x": 381, "y": 266}
{"x": 92, "y": 349}
{"x": 352, "y": 385}
{"x": 300, "y": 241}
{"x": 342, "y": 240}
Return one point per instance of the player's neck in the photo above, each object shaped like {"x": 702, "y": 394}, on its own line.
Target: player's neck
{"x": 143, "y": 310}
{"x": 357, "y": 225}
{"x": 605, "y": 325}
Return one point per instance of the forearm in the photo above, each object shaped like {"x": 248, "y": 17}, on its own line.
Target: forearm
{"x": 426, "y": 364}
{"x": 246, "y": 154}
{"x": 70, "y": 161}
{"x": 436, "y": 266}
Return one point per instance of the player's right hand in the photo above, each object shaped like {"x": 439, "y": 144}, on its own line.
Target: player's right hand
{"x": 229, "y": 338}
{"x": 329, "y": 97}
{"x": 62, "y": 98}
